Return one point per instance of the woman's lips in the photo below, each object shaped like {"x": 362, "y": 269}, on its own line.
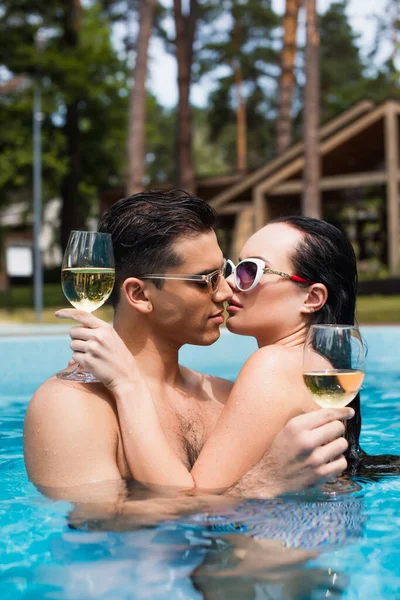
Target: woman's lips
{"x": 233, "y": 307}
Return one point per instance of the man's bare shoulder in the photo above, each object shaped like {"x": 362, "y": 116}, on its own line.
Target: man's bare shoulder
{"x": 64, "y": 423}
{"x": 55, "y": 397}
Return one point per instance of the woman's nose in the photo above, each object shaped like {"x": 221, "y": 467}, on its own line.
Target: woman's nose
{"x": 231, "y": 282}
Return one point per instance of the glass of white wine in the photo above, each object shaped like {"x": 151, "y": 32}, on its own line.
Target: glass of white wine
{"x": 87, "y": 279}
{"x": 333, "y": 371}
{"x": 333, "y": 365}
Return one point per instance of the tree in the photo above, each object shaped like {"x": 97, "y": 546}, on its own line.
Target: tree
{"x": 185, "y": 31}
{"x": 311, "y": 202}
{"x": 287, "y": 80}
{"x": 341, "y": 68}
{"x": 72, "y": 217}
{"x": 137, "y": 105}
{"x": 84, "y": 87}
{"x": 240, "y": 103}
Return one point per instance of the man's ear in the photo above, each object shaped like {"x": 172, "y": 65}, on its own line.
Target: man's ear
{"x": 316, "y": 297}
{"x": 137, "y": 295}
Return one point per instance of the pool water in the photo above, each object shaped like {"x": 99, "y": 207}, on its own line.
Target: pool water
{"x": 300, "y": 548}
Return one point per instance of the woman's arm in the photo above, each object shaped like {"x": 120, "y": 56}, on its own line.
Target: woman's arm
{"x": 263, "y": 399}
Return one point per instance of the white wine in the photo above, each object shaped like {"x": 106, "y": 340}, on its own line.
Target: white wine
{"x": 87, "y": 288}
{"x": 334, "y": 388}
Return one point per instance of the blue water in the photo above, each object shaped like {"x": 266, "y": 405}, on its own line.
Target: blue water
{"x": 294, "y": 548}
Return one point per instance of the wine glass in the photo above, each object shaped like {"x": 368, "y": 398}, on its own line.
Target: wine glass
{"x": 87, "y": 279}
{"x": 333, "y": 370}
{"x": 333, "y": 365}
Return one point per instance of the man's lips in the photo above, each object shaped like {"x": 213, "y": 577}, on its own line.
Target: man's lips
{"x": 218, "y": 317}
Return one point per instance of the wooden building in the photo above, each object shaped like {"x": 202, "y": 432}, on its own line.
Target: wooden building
{"x": 359, "y": 159}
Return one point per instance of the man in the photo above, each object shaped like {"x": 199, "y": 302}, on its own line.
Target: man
{"x": 169, "y": 291}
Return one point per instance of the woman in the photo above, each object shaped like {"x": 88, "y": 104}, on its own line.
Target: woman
{"x": 299, "y": 271}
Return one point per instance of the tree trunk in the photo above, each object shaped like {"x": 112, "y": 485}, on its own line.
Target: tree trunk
{"x": 241, "y": 125}
{"x": 311, "y": 202}
{"x": 137, "y": 103}
{"x": 185, "y": 33}
{"x": 71, "y": 215}
{"x": 287, "y": 80}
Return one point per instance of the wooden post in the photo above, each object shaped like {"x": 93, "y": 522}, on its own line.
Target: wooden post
{"x": 392, "y": 187}
{"x": 260, "y": 209}
{"x": 311, "y": 198}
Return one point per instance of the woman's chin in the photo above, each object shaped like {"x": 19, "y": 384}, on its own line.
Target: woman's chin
{"x": 233, "y": 326}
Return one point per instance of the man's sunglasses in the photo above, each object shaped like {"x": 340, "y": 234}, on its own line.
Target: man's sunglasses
{"x": 211, "y": 279}
{"x": 248, "y": 272}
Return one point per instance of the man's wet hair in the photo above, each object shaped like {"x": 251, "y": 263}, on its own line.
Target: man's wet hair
{"x": 145, "y": 228}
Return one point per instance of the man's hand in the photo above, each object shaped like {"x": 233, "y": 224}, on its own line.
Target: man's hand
{"x": 309, "y": 450}
{"x": 98, "y": 348}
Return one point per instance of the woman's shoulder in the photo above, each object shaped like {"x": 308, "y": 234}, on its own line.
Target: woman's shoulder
{"x": 275, "y": 356}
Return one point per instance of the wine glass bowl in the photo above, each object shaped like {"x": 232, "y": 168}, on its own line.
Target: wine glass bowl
{"x": 87, "y": 279}
{"x": 333, "y": 364}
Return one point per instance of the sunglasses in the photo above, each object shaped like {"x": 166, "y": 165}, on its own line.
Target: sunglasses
{"x": 247, "y": 274}
{"x": 212, "y": 280}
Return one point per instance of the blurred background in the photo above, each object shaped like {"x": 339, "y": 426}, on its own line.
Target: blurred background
{"x": 261, "y": 107}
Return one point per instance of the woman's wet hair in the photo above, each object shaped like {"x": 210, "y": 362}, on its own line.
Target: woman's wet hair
{"x": 145, "y": 228}
{"x": 325, "y": 255}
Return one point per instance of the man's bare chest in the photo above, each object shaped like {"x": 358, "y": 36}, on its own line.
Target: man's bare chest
{"x": 187, "y": 426}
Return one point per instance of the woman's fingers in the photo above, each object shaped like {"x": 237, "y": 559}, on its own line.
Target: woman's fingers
{"x": 78, "y": 346}
{"x": 81, "y": 316}
{"x": 81, "y": 333}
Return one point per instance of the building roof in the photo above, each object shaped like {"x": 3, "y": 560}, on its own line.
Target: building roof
{"x": 345, "y": 142}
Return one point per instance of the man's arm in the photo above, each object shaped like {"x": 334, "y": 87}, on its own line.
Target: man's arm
{"x": 69, "y": 438}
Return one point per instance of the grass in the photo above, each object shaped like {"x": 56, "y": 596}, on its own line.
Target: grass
{"x": 18, "y": 307}
{"x": 378, "y": 309}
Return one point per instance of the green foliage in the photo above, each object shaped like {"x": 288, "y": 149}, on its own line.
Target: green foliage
{"x": 248, "y": 41}
{"x": 341, "y": 68}
{"x": 91, "y": 74}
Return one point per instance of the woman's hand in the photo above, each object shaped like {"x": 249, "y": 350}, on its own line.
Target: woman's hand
{"x": 98, "y": 348}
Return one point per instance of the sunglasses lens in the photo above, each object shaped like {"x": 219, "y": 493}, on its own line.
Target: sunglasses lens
{"x": 228, "y": 270}
{"x": 215, "y": 279}
{"x": 245, "y": 275}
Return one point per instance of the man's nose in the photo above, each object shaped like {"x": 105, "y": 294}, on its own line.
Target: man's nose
{"x": 223, "y": 292}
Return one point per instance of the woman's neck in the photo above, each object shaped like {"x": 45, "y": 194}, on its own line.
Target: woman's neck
{"x": 293, "y": 339}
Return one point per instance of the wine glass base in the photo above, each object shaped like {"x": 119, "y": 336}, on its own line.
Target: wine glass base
{"x": 77, "y": 375}
{"x": 338, "y": 487}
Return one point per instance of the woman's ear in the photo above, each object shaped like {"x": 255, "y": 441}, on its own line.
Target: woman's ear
{"x": 136, "y": 295}
{"x": 316, "y": 297}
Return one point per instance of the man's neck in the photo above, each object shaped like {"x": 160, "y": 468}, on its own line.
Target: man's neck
{"x": 157, "y": 359}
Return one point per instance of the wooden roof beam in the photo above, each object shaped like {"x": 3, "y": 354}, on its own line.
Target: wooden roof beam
{"x": 350, "y": 115}
{"x": 335, "y": 182}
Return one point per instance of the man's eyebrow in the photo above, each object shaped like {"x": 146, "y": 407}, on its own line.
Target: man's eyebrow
{"x": 208, "y": 271}
{"x": 260, "y": 257}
